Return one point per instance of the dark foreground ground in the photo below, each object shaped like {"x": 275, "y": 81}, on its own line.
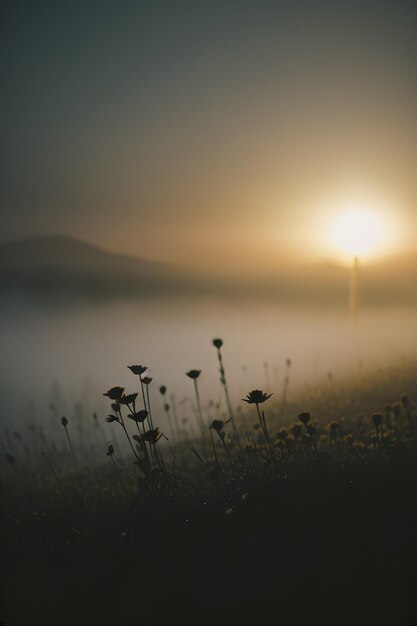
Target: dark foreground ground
{"x": 325, "y": 534}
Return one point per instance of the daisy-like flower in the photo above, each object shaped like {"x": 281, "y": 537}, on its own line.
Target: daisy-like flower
{"x": 138, "y": 370}
{"x": 128, "y": 398}
{"x": 304, "y": 417}
{"x": 139, "y": 416}
{"x": 217, "y": 343}
{"x": 256, "y": 397}
{"x": 115, "y": 393}
{"x": 152, "y": 436}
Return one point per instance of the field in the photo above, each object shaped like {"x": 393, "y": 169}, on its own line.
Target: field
{"x": 290, "y": 509}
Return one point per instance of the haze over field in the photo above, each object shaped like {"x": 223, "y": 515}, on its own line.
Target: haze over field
{"x": 75, "y": 315}
{"x": 67, "y": 270}
{"x": 72, "y": 313}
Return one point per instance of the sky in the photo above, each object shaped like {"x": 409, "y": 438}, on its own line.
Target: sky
{"x": 211, "y": 133}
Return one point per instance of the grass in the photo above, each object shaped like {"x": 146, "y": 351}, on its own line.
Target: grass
{"x": 298, "y": 510}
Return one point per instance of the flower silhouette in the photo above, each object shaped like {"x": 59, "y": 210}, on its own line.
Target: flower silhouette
{"x": 377, "y": 419}
{"x": 138, "y": 370}
{"x": 194, "y": 374}
{"x": 304, "y": 417}
{"x": 115, "y": 393}
{"x": 128, "y": 399}
{"x": 256, "y": 397}
{"x": 139, "y": 416}
{"x": 217, "y": 425}
{"x": 152, "y": 436}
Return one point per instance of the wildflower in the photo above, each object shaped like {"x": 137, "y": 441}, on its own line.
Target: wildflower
{"x": 139, "y": 416}
{"x": 194, "y": 374}
{"x": 111, "y": 418}
{"x": 64, "y": 422}
{"x": 256, "y": 397}
{"x": 397, "y": 409}
{"x": 138, "y": 370}
{"x": 146, "y": 380}
{"x": 162, "y": 390}
{"x": 152, "y": 436}
{"x": 128, "y": 399}
{"x": 218, "y": 344}
{"x": 377, "y": 420}
{"x": 297, "y": 431}
{"x": 304, "y": 418}
{"x": 283, "y": 434}
{"x": 334, "y": 428}
{"x": 217, "y": 425}
{"x": 115, "y": 393}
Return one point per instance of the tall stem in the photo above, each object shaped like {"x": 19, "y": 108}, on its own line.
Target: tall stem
{"x": 200, "y": 415}
{"x": 226, "y": 390}
{"x": 264, "y": 428}
{"x": 126, "y": 433}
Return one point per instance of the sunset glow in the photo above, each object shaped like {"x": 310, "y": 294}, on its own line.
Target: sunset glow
{"x": 357, "y": 232}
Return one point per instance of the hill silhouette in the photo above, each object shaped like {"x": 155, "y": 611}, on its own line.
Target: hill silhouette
{"x": 61, "y": 267}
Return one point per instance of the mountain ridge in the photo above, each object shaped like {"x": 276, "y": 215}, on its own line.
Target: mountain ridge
{"x": 65, "y": 267}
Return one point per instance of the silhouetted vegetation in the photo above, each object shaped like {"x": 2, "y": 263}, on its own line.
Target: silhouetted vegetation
{"x": 277, "y": 509}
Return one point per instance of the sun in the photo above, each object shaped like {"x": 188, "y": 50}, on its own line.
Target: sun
{"x": 357, "y": 232}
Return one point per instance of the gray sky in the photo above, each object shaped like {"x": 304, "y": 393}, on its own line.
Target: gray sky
{"x": 206, "y": 132}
